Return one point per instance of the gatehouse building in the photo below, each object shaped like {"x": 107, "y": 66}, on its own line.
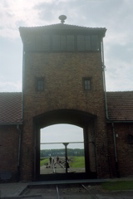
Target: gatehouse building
{"x": 64, "y": 83}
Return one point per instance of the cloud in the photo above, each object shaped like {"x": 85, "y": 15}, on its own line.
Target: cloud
{"x": 17, "y": 13}
{"x": 9, "y": 86}
{"x": 119, "y": 76}
{"x": 116, "y": 16}
{"x": 10, "y": 63}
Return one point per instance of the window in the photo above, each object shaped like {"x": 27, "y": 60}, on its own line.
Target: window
{"x": 130, "y": 139}
{"x": 46, "y": 42}
{"x": 87, "y": 83}
{"x": 80, "y": 42}
{"x": 94, "y": 43}
{"x": 56, "y": 43}
{"x": 88, "y": 43}
{"x": 67, "y": 42}
{"x": 40, "y": 84}
{"x": 63, "y": 43}
{"x": 70, "y": 42}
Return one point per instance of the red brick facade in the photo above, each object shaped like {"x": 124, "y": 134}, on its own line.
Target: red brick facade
{"x": 9, "y": 149}
{"x": 124, "y": 149}
{"x": 63, "y": 75}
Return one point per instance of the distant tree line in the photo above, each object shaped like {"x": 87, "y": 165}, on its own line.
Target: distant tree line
{"x": 61, "y": 152}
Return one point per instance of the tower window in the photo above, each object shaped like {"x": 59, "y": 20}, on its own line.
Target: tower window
{"x": 87, "y": 83}
{"x": 40, "y": 84}
{"x": 70, "y": 42}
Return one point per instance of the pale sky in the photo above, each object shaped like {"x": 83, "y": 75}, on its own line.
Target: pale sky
{"x": 115, "y": 15}
{"x": 61, "y": 133}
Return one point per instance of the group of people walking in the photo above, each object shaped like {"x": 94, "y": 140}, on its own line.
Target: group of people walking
{"x": 53, "y": 161}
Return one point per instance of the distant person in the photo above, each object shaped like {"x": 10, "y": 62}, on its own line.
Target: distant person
{"x": 53, "y": 161}
{"x": 57, "y": 159}
{"x": 67, "y": 165}
{"x": 50, "y": 160}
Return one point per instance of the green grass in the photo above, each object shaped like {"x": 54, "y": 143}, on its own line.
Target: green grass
{"x": 77, "y": 162}
{"x": 119, "y": 185}
{"x": 44, "y": 161}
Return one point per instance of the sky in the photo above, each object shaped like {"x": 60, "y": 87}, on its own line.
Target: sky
{"x": 59, "y": 134}
{"x": 115, "y": 15}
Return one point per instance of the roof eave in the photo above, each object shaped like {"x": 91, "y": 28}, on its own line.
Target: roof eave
{"x": 25, "y": 31}
{"x": 11, "y": 124}
{"x": 119, "y": 121}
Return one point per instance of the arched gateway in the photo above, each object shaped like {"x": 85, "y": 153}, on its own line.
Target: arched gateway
{"x": 63, "y": 82}
{"x": 75, "y": 117}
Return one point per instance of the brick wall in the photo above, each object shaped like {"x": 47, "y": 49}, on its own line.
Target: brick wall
{"x": 63, "y": 73}
{"x": 9, "y": 149}
{"x": 124, "y": 149}
{"x": 63, "y": 82}
{"x": 111, "y": 152}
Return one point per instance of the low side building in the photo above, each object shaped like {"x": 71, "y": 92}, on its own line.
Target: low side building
{"x": 119, "y": 130}
{"x": 10, "y": 135}
{"x": 120, "y": 133}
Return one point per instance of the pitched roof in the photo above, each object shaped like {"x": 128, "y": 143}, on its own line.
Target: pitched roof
{"x": 58, "y": 28}
{"x": 120, "y": 105}
{"x": 63, "y": 26}
{"x": 10, "y": 108}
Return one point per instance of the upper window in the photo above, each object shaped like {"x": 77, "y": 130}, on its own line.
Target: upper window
{"x": 80, "y": 43}
{"x": 40, "y": 84}
{"x": 65, "y": 42}
{"x": 62, "y": 43}
{"x": 94, "y": 43}
{"x": 70, "y": 42}
{"x": 87, "y": 83}
{"x": 56, "y": 43}
{"x": 83, "y": 43}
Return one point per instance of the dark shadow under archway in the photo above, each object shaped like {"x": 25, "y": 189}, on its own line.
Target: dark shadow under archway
{"x": 78, "y": 118}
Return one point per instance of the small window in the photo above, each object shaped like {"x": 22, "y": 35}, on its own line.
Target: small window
{"x": 94, "y": 42}
{"x": 70, "y": 42}
{"x": 56, "y": 43}
{"x": 130, "y": 139}
{"x": 88, "y": 43}
{"x": 87, "y": 83}
{"x": 40, "y": 84}
{"x": 80, "y": 42}
{"x": 63, "y": 43}
{"x": 46, "y": 42}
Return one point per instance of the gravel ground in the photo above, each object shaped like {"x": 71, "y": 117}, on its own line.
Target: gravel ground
{"x": 66, "y": 191}
{"x": 75, "y": 192}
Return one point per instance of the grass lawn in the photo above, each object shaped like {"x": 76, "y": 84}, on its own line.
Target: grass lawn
{"x": 77, "y": 162}
{"x": 119, "y": 185}
{"x": 44, "y": 161}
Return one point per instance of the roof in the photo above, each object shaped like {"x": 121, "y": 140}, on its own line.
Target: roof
{"x": 10, "y": 108}
{"x": 63, "y": 26}
{"x": 59, "y": 28}
{"x": 120, "y": 105}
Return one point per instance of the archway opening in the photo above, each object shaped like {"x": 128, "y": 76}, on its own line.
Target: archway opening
{"x": 62, "y": 149}
{"x": 65, "y": 139}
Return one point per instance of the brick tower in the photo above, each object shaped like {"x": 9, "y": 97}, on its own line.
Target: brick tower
{"x": 63, "y": 81}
